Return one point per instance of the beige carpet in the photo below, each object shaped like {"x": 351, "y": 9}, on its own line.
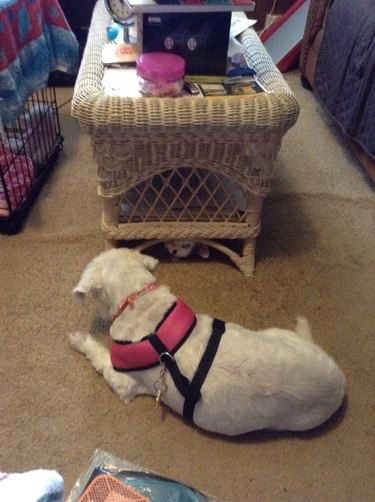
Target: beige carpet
{"x": 315, "y": 257}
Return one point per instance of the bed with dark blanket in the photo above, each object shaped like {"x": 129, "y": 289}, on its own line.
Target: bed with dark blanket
{"x": 343, "y": 79}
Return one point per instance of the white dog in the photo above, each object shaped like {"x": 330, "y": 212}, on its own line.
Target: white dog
{"x": 269, "y": 379}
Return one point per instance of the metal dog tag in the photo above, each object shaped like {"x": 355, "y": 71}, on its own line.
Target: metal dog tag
{"x": 160, "y": 386}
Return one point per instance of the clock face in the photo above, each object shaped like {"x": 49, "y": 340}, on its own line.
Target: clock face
{"x": 119, "y": 10}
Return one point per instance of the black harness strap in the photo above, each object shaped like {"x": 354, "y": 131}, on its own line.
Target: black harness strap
{"x": 191, "y": 390}
{"x": 218, "y": 328}
{"x": 181, "y": 382}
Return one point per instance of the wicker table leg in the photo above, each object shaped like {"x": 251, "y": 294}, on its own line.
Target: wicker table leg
{"x": 110, "y": 217}
{"x": 246, "y": 262}
{"x": 110, "y": 244}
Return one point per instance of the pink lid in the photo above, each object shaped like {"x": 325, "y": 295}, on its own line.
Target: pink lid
{"x": 161, "y": 66}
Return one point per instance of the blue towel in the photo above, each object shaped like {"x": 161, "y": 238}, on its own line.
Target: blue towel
{"x": 35, "y": 40}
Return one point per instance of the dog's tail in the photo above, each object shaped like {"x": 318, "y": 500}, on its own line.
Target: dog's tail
{"x": 303, "y": 328}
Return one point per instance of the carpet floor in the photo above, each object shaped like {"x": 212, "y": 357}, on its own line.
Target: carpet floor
{"x": 315, "y": 257}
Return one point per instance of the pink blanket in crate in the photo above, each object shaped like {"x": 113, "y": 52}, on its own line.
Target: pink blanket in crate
{"x": 17, "y": 175}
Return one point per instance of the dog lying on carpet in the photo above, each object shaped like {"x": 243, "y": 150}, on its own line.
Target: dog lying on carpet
{"x": 223, "y": 377}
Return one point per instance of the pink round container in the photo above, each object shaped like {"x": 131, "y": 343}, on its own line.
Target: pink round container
{"x": 160, "y": 74}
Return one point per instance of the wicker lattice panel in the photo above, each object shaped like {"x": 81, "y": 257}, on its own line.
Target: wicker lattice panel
{"x": 184, "y": 195}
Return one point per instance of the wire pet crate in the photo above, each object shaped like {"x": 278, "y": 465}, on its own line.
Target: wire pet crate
{"x": 29, "y": 147}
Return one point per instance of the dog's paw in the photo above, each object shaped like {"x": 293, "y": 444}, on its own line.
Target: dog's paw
{"x": 77, "y": 340}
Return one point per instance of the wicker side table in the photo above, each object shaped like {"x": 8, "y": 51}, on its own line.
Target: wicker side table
{"x": 184, "y": 168}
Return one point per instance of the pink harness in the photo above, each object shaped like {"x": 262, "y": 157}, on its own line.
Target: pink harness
{"x": 172, "y": 331}
{"x": 160, "y": 346}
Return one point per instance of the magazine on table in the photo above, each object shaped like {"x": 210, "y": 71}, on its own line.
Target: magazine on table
{"x": 246, "y": 87}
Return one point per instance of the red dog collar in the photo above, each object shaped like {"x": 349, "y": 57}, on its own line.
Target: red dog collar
{"x": 131, "y": 299}
{"x": 172, "y": 332}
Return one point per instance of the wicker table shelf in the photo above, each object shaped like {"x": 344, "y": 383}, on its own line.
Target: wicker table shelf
{"x": 183, "y": 168}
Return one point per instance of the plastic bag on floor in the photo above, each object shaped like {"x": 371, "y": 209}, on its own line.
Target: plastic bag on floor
{"x": 111, "y": 479}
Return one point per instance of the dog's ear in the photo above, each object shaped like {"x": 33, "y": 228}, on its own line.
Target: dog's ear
{"x": 78, "y": 295}
{"x": 203, "y": 251}
{"x": 87, "y": 282}
{"x": 148, "y": 261}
